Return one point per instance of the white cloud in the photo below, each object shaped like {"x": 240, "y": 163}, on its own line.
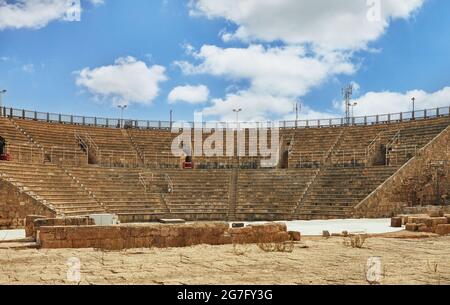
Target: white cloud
{"x": 337, "y": 24}
{"x": 317, "y": 38}
{"x": 36, "y": 14}
{"x": 276, "y": 75}
{"x": 258, "y": 107}
{"x": 189, "y": 94}
{"x": 393, "y": 102}
{"x": 280, "y": 71}
{"x": 126, "y": 81}
{"x": 255, "y": 106}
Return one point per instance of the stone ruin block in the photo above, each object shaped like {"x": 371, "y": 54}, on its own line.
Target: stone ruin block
{"x": 295, "y": 236}
{"x": 443, "y": 229}
{"x": 412, "y": 227}
{"x": 396, "y": 222}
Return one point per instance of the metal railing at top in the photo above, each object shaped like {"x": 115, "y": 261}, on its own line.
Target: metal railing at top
{"x": 167, "y": 125}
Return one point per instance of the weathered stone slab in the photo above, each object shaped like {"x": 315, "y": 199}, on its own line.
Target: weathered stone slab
{"x": 443, "y": 229}
{"x": 396, "y": 222}
{"x": 413, "y": 227}
{"x": 159, "y": 235}
{"x": 295, "y": 236}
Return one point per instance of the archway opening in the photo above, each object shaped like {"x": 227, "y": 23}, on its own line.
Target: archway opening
{"x": 2, "y": 146}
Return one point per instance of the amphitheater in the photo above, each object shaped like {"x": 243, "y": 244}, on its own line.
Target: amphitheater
{"x": 58, "y": 172}
{"x": 65, "y": 165}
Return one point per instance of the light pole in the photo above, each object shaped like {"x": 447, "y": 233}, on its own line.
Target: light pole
{"x": 237, "y": 135}
{"x": 122, "y": 108}
{"x": 1, "y": 104}
{"x": 413, "y": 107}
{"x": 297, "y": 109}
{"x": 237, "y": 116}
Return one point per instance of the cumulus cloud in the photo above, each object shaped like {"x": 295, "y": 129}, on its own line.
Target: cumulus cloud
{"x": 189, "y": 94}
{"x": 337, "y": 24}
{"x": 276, "y": 75}
{"x": 315, "y": 41}
{"x": 255, "y": 106}
{"x": 393, "y": 102}
{"x": 36, "y": 14}
{"x": 284, "y": 71}
{"x": 126, "y": 81}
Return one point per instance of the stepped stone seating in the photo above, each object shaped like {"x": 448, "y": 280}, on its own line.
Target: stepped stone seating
{"x": 248, "y": 158}
{"x": 310, "y": 146}
{"x": 155, "y": 147}
{"x": 10, "y": 133}
{"x": 337, "y": 190}
{"x": 17, "y": 144}
{"x": 270, "y": 194}
{"x": 113, "y": 146}
{"x": 413, "y": 136}
{"x": 57, "y": 141}
{"x": 51, "y": 186}
{"x": 121, "y": 191}
{"x": 213, "y": 191}
{"x": 199, "y": 194}
{"x": 353, "y": 145}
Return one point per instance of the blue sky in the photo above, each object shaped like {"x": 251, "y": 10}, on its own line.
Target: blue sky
{"x": 204, "y": 46}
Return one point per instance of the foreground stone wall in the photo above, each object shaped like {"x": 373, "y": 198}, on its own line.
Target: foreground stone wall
{"x": 157, "y": 235}
{"x": 15, "y": 206}
{"x": 33, "y": 223}
{"x": 386, "y": 201}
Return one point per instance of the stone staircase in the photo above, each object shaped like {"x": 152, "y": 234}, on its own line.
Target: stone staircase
{"x": 52, "y": 187}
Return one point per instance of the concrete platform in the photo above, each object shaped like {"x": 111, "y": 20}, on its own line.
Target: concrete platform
{"x": 316, "y": 227}
{"x": 12, "y": 235}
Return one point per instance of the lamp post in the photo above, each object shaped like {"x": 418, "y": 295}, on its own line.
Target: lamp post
{"x": 1, "y": 104}
{"x": 297, "y": 109}
{"x": 122, "y": 108}
{"x": 237, "y": 134}
{"x": 237, "y": 116}
{"x": 413, "y": 107}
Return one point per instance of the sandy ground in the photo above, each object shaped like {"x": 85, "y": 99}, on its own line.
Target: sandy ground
{"x": 313, "y": 261}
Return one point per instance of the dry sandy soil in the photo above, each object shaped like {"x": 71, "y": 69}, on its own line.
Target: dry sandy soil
{"x": 313, "y": 261}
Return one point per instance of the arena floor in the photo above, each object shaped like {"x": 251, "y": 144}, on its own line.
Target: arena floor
{"x": 316, "y": 227}
{"x": 307, "y": 228}
{"x": 315, "y": 260}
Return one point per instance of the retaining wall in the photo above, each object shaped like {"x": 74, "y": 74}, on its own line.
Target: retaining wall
{"x": 157, "y": 235}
